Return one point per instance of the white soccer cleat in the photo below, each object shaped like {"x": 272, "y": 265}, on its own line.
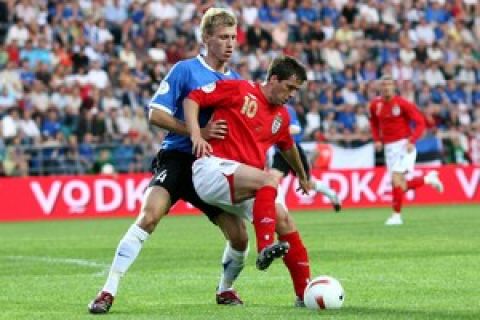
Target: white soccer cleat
{"x": 433, "y": 180}
{"x": 394, "y": 220}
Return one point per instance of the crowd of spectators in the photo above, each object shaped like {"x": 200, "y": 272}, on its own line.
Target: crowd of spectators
{"x": 75, "y": 76}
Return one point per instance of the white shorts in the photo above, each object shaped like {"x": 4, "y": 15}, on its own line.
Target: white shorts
{"x": 398, "y": 159}
{"x": 213, "y": 182}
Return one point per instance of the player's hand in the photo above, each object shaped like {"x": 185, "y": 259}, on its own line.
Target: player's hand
{"x": 215, "y": 129}
{"x": 305, "y": 186}
{"x": 410, "y": 147}
{"x": 378, "y": 146}
{"x": 200, "y": 146}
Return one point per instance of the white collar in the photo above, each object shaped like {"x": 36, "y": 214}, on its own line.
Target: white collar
{"x": 206, "y": 65}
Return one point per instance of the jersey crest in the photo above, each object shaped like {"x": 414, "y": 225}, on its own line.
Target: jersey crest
{"x": 395, "y": 110}
{"x": 277, "y": 123}
{"x": 209, "y": 88}
{"x": 164, "y": 87}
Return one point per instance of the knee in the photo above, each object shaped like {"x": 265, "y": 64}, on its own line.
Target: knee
{"x": 240, "y": 243}
{"x": 149, "y": 218}
{"x": 272, "y": 180}
{"x": 398, "y": 180}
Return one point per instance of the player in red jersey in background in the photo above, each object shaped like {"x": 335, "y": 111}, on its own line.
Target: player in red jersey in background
{"x": 231, "y": 172}
{"x": 390, "y": 120}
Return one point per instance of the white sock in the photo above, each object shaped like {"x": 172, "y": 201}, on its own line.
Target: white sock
{"x": 322, "y": 188}
{"x": 233, "y": 262}
{"x": 127, "y": 251}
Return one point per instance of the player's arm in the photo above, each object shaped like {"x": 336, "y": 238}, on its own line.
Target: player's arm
{"x": 292, "y": 156}
{"x": 374, "y": 126}
{"x": 164, "y": 120}
{"x": 290, "y": 153}
{"x": 162, "y": 107}
{"x": 416, "y": 116}
{"x": 214, "y": 129}
{"x": 200, "y": 146}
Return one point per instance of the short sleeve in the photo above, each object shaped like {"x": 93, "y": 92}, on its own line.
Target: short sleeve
{"x": 218, "y": 94}
{"x": 170, "y": 89}
{"x": 285, "y": 140}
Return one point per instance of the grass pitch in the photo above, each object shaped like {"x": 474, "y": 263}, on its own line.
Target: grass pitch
{"x": 428, "y": 268}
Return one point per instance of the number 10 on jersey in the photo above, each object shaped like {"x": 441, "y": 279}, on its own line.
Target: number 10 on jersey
{"x": 249, "y": 107}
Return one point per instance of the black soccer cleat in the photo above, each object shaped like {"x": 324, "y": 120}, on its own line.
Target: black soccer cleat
{"x": 336, "y": 203}
{"x": 299, "y": 303}
{"x": 270, "y": 253}
{"x": 337, "y": 207}
{"x": 101, "y": 304}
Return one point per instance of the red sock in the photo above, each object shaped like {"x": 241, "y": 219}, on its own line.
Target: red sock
{"x": 397, "y": 199}
{"x": 297, "y": 262}
{"x": 264, "y": 216}
{"x": 415, "y": 183}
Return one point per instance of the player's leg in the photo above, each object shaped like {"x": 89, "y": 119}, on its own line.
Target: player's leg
{"x": 229, "y": 184}
{"x": 236, "y": 249}
{"x": 155, "y": 205}
{"x": 296, "y": 260}
{"x": 398, "y": 162}
{"x": 280, "y": 164}
{"x": 249, "y": 182}
{"x": 156, "y": 202}
{"x": 399, "y": 186}
{"x": 431, "y": 178}
{"x": 234, "y": 257}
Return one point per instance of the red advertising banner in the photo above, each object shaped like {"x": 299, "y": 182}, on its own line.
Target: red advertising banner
{"x": 67, "y": 197}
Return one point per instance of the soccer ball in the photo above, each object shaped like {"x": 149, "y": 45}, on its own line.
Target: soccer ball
{"x": 324, "y": 292}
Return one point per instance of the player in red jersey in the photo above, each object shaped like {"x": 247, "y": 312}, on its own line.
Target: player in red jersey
{"x": 390, "y": 120}
{"x": 230, "y": 172}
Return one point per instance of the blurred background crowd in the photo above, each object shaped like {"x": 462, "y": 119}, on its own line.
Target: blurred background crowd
{"x": 76, "y": 76}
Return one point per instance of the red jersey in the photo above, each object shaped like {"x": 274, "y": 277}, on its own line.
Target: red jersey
{"x": 390, "y": 120}
{"x": 254, "y": 125}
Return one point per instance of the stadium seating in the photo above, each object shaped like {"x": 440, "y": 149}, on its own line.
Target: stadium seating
{"x": 76, "y": 76}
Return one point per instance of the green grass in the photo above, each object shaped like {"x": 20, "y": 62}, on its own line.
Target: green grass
{"x": 426, "y": 269}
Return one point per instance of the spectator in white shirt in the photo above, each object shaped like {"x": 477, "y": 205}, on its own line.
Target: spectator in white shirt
{"x": 407, "y": 54}
{"x": 361, "y": 119}
{"x": 328, "y": 29}
{"x": 424, "y": 32}
{"x": 27, "y": 11}
{"x": 435, "y": 53}
{"x": 39, "y": 97}
{"x": 312, "y": 118}
{"x": 29, "y": 127}
{"x": 97, "y": 76}
{"x": 59, "y": 98}
{"x": 433, "y": 76}
{"x": 332, "y": 56}
{"x": 402, "y": 72}
{"x": 128, "y": 56}
{"x": 250, "y": 12}
{"x": 11, "y": 124}
{"x": 163, "y": 9}
{"x": 7, "y": 98}
{"x": 124, "y": 120}
{"x": 369, "y": 12}
{"x": 18, "y": 32}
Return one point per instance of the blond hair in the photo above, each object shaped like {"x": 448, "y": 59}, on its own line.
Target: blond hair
{"x": 214, "y": 18}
